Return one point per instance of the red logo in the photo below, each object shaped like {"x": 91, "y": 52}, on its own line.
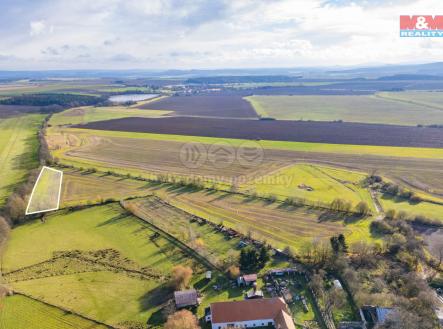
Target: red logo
{"x": 421, "y": 22}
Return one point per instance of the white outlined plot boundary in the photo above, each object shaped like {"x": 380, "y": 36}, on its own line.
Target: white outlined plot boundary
{"x": 35, "y": 186}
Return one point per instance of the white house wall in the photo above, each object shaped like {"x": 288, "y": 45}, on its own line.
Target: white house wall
{"x": 245, "y": 324}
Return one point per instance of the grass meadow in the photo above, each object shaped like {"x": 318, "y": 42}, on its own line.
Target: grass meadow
{"x": 106, "y": 296}
{"x": 47, "y": 191}
{"x": 18, "y": 150}
{"x": 94, "y": 228}
{"x": 427, "y": 209}
{"x": 87, "y": 114}
{"x": 314, "y": 184}
{"x": 363, "y": 108}
{"x": 432, "y": 99}
{"x": 20, "y": 312}
{"x": 106, "y": 258}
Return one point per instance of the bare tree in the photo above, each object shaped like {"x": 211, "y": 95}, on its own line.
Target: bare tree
{"x": 15, "y": 207}
{"x": 363, "y": 253}
{"x": 181, "y": 276}
{"x": 439, "y": 249}
{"x": 182, "y": 320}
{"x": 362, "y": 208}
{"x": 233, "y": 272}
{"x": 4, "y": 231}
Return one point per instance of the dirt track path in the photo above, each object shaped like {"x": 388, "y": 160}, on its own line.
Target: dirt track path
{"x": 377, "y": 205}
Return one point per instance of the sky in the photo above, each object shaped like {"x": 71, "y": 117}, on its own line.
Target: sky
{"x": 210, "y": 34}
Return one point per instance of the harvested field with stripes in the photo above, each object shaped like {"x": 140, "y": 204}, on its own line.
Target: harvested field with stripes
{"x": 80, "y": 188}
{"x": 144, "y": 154}
{"x": 196, "y": 234}
{"x": 279, "y": 225}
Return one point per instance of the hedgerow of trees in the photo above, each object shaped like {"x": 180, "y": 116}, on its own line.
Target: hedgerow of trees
{"x": 61, "y": 100}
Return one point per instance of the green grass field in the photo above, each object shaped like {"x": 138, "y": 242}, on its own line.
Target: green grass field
{"x": 128, "y": 284}
{"x": 427, "y": 209}
{"x": 18, "y": 151}
{"x": 433, "y": 99}
{"x": 87, "y": 114}
{"x": 106, "y": 296}
{"x": 94, "y": 228}
{"x": 46, "y": 193}
{"x": 19, "y": 312}
{"x": 367, "y": 109}
{"x": 326, "y": 183}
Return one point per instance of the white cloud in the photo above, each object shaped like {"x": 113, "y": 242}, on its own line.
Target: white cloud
{"x": 37, "y": 27}
{"x": 201, "y": 34}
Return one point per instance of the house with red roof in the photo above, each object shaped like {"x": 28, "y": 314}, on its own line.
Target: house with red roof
{"x": 247, "y": 279}
{"x": 251, "y": 313}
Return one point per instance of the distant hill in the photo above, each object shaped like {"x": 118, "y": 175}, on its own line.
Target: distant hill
{"x": 410, "y": 77}
{"x": 243, "y": 79}
{"x": 419, "y": 70}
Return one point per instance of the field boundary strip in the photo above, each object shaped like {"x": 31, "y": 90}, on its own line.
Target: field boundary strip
{"x": 390, "y": 97}
{"x": 122, "y": 269}
{"x": 35, "y": 186}
{"x": 66, "y": 310}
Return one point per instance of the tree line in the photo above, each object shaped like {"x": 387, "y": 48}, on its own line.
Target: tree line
{"x": 60, "y": 100}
